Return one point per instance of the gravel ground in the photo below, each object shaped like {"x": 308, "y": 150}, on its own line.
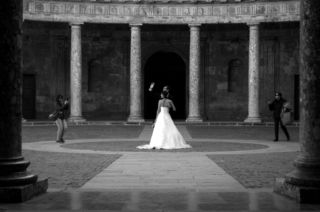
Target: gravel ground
{"x": 256, "y": 170}
{"x": 66, "y": 170}
{"x": 131, "y": 146}
{"x": 240, "y": 132}
{"x": 49, "y": 133}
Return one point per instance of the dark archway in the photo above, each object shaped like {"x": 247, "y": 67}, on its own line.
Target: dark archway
{"x": 165, "y": 68}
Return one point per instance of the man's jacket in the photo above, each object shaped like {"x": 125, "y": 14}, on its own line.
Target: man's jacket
{"x": 276, "y": 107}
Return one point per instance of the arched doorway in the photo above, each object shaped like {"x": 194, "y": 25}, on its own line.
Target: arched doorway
{"x": 165, "y": 69}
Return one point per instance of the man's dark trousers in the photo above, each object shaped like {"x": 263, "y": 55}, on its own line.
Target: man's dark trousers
{"x": 276, "y": 128}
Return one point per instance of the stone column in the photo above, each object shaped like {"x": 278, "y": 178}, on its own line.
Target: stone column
{"x": 16, "y": 184}
{"x": 76, "y": 74}
{"x": 253, "y": 99}
{"x": 303, "y": 184}
{"x": 135, "y": 75}
{"x": 194, "y": 75}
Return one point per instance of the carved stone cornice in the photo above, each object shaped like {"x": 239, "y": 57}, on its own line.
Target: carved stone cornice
{"x": 110, "y": 12}
{"x": 163, "y": 1}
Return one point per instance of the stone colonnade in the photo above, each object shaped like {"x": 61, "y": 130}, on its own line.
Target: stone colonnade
{"x": 135, "y": 75}
{"x": 303, "y": 184}
{"x": 136, "y": 114}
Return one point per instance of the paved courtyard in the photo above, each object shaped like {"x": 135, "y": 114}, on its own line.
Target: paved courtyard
{"x": 99, "y": 168}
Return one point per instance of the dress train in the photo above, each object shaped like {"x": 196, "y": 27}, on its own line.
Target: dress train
{"x": 165, "y": 134}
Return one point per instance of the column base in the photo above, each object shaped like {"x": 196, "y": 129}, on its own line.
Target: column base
{"x": 13, "y": 172}
{"x": 194, "y": 119}
{"x": 76, "y": 119}
{"x": 253, "y": 120}
{"x": 298, "y": 193}
{"x": 135, "y": 119}
{"x": 16, "y": 194}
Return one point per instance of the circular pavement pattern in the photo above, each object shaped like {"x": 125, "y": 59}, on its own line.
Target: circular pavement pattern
{"x": 130, "y": 146}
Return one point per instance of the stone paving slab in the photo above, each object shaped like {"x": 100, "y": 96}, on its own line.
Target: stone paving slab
{"x": 151, "y": 170}
{"x": 164, "y": 200}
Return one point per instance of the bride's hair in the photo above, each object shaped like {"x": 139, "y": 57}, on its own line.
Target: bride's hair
{"x": 165, "y": 94}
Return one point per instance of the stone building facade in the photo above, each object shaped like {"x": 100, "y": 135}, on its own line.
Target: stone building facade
{"x": 223, "y": 59}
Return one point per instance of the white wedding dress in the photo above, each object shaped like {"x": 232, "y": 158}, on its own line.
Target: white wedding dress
{"x": 165, "y": 134}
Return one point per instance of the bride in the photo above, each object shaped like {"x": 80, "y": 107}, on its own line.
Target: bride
{"x": 165, "y": 134}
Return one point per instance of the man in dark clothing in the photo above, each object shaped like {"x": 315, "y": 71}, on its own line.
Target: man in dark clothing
{"x": 276, "y": 106}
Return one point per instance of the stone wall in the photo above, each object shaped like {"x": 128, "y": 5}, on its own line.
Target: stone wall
{"x": 105, "y": 65}
{"x": 227, "y": 74}
{"x": 40, "y": 59}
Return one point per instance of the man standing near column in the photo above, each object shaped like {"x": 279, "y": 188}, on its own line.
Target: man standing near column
{"x": 276, "y": 106}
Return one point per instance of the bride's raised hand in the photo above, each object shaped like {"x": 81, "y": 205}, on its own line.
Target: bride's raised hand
{"x": 152, "y": 85}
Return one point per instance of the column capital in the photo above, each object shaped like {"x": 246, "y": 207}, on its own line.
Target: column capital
{"x": 135, "y": 24}
{"x": 253, "y": 25}
{"x": 75, "y": 24}
{"x": 194, "y": 25}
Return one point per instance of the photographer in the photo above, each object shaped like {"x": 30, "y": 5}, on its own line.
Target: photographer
{"x": 61, "y": 122}
{"x": 276, "y": 106}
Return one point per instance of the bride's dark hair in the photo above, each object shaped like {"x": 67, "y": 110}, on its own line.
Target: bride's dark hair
{"x": 165, "y": 94}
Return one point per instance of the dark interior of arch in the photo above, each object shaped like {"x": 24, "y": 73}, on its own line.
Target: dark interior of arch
{"x": 165, "y": 68}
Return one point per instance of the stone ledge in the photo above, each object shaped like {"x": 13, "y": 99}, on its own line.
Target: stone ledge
{"x": 17, "y": 194}
{"x": 297, "y": 193}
